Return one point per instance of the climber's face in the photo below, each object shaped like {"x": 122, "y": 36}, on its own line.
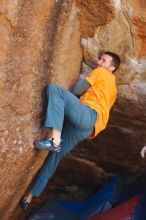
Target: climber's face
{"x": 106, "y": 61}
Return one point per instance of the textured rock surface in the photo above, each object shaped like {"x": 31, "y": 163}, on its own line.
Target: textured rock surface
{"x": 40, "y": 44}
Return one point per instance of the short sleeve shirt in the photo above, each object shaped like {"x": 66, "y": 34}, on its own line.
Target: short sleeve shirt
{"x": 100, "y": 96}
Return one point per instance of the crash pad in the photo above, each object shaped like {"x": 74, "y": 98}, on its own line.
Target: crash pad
{"x": 120, "y": 212}
{"x": 79, "y": 210}
{"x": 118, "y": 199}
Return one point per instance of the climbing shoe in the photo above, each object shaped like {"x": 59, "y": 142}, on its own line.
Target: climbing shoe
{"x": 46, "y": 144}
{"x": 24, "y": 203}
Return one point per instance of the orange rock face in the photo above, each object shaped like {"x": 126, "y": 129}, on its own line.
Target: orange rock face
{"x": 39, "y": 45}
{"x": 93, "y": 14}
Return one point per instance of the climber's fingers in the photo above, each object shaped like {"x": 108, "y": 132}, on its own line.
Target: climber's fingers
{"x": 143, "y": 151}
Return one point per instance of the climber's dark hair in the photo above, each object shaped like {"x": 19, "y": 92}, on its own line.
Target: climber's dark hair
{"x": 116, "y": 59}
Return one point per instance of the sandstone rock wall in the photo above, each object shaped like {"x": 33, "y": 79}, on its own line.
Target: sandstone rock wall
{"x": 39, "y": 44}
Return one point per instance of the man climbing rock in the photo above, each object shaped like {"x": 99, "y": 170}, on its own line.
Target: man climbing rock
{"x": 74, "y": 116}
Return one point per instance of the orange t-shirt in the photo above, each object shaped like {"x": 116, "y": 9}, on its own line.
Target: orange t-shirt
{"x": 100, "y": 96}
